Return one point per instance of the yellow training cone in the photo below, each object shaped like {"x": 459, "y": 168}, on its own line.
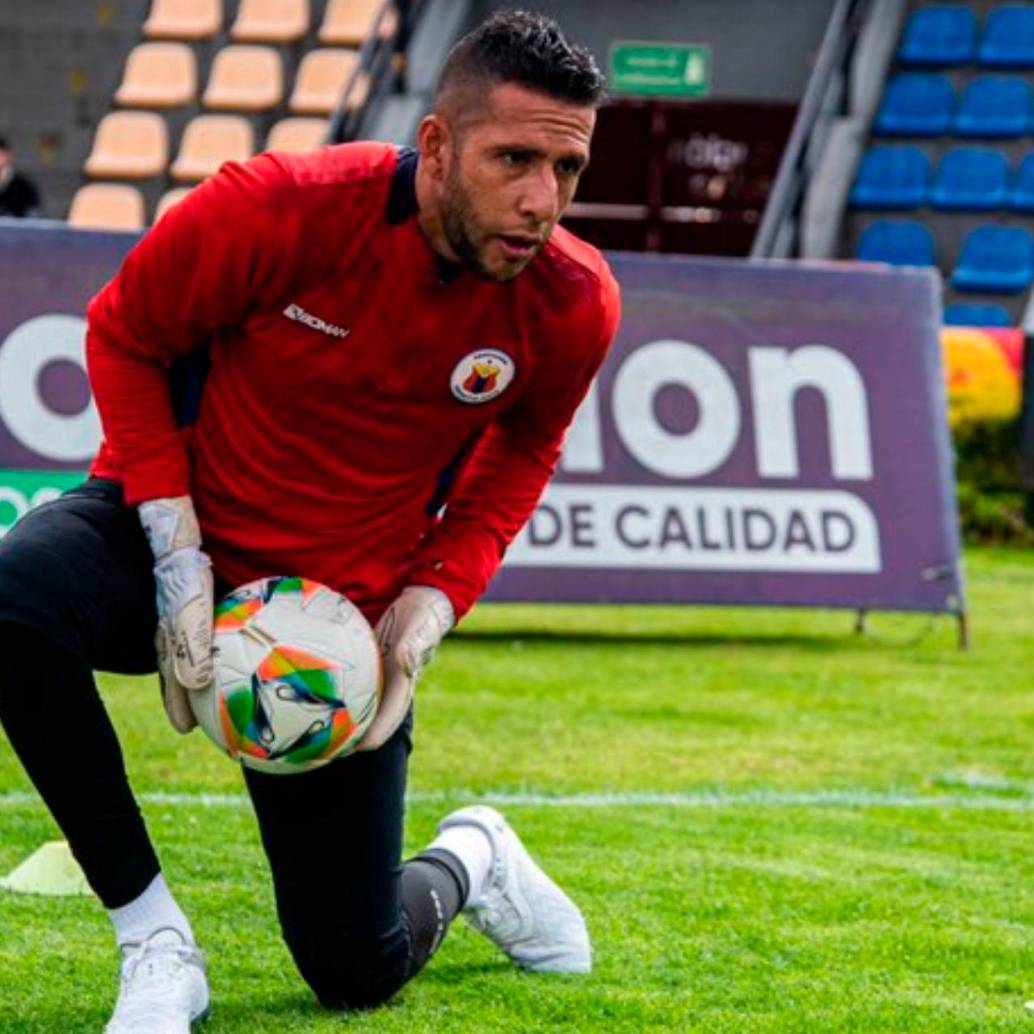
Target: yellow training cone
{"x": 50, "y": 870}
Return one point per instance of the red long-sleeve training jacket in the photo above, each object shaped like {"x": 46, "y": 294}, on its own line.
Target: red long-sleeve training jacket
{"x": 354, "y": 384}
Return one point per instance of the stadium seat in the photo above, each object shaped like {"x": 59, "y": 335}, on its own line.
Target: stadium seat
{"x": 297, "y": 135}
{"x": 271, "y": 21}
{"x": 322, "y": 77}
{"x": 245, "y": 78}
{"x": 107, "y": 206}
{"x": 347, "y": 23}
{"x": 916, "y": 104}
{"x": 903, "y": 243}
{"x": 962, "y": 314}
{"x": 941, "y": 35}
{"x": 129, "y": 145}
{"x": 971, "y": 180}
{"x": 1008, "y": 38}
{"x": 184, "y": 19}
{"x": 1021, "y": 197}
{"x": 158, "y": 75}
{"x": 891, "y": 177}
{"x": 994, "y": 106}
{"x": 170, "y": 198}
{"x": 210, "y": 140}
{"x": 995, "y": 258}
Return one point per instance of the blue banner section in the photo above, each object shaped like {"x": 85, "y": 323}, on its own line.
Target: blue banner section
{"x": 760, "y": 434}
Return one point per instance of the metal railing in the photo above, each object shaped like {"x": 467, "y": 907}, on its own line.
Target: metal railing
{"x": 381, "y": 64}
{"x": 823, "y": 100}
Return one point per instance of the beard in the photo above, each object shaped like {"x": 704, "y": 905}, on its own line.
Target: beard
{"x": 466, "y": 234}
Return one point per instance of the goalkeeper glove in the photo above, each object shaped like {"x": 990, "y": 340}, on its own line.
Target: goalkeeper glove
{"x": 185, "y": 602}
{"x": 408, "y": 633}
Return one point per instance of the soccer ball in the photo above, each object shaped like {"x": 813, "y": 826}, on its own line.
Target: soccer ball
{"x": 297, "y": 676}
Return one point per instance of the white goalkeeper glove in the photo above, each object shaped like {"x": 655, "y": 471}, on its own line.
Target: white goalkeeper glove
{"x": 185, "y": 601}
{"x": 408, "y": 634}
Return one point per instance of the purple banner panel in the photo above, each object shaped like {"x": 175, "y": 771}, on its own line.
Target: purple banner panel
{"x": 761, "y": 434}
{"x": 48, "y": 273}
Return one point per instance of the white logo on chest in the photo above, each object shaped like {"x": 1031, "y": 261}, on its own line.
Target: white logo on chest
{"x": 482, "y": 376}
{"x": 299, "y": 315}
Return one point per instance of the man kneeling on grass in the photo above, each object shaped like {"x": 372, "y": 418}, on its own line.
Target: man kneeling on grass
{"x": 395, "y": 342}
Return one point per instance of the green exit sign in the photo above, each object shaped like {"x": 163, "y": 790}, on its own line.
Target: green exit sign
{"x": 660, "y": 69}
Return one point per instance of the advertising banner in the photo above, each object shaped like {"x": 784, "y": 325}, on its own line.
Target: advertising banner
{"x": 760, "y": 434}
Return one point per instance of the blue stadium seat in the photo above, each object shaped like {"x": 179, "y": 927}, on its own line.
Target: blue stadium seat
{"x": 891, "y": 177}
{"x": 971, "y": 180}
{"x": 994, "y": 105}
{"x": 916, "y": 104}
{"x": 995, "y": 258}
{"x": 1008, "y": 39}
{"x": 1021, "y": 197}
{"x": 941, "y": 35}
{"x": 962, "y": 315}
{"x": 903, "y": 243}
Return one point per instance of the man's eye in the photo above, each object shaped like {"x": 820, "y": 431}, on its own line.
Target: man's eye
{"x": 570, "y": 168}
{"x": 515, "y": 157}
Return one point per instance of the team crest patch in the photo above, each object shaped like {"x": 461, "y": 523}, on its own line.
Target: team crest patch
{"x": 482, "y": 376}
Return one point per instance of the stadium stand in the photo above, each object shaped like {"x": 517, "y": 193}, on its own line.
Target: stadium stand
{"x": 347, "y": 23}
{"x": 939, "y": 36}
{"x": 916, "y": 104}
{"x": 107, "y": 206}
{"x": 901, "y": 243}
{"x": 245, "y": 77}
{"x": 210, "y": 140}
{"x": 168, "y": 199}
{"x": 995, "y": 258}
{"x": 271, "y": 21}
{"x": 129, "y": 145}
{"x": 971, "y": 180}
{"x": 961, "y": 314}
{"x": 1008, "y": 40}
{"x": 892, "y": 178}
{"x": 1021, "y": 197}
{"x": 994, "y": 106}
{"x": 184, "y": 19}
{"x": 323, "y": 75}
{"x": 158, "y": 75}
{"x": 297, "y": 134}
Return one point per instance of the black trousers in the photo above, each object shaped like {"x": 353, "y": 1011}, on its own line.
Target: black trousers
{"x": 77, "y": 595}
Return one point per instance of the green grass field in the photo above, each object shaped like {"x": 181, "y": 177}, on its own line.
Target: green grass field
{"x": 771, "y": 824}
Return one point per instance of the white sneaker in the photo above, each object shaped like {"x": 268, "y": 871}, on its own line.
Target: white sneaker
{"x": 521, "y": 909}
{"x": 163, "y": 989}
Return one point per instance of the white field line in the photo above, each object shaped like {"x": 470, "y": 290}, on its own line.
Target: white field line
{"x": 714, "y": 799}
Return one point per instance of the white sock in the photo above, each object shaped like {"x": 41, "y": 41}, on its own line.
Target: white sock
{"x": 154, "y": 909}
{"x": 474, "y": 850}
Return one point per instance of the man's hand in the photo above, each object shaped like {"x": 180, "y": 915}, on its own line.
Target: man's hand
{"x": 408, "y": 634}
{"x": 185, "y": 601}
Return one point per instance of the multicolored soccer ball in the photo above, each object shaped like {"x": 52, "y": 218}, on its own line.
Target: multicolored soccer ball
{"x": 297, "y": 676}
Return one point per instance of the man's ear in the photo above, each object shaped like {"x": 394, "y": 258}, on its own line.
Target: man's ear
{"x": 434, "y": 140}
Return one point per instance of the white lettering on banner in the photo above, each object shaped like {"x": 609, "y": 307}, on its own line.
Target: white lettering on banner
{"x": 686, "y": 528}
{"x": 783, "y": 374}
{"x": 24, "y": 353}
{"x": 776, "y": 376}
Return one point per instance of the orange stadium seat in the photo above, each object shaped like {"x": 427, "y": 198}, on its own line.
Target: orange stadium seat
{"x": 271, "y": 21}
{"x": 348, "y": 22}
{"x": 129, "y": 145}
{"x": 297, "y": 135}
{"x": 107, "y": 206}
{"x": 184, "y": 19}
{"x": 322, "y": 77}
{"x": 158, "y": 75}
{"x": 170, "y": 198}
{"x": 210, "y": 140}
{"x": 245, "y": 78}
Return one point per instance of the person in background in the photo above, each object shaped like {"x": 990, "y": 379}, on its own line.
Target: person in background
{"x": 18, "y": 194}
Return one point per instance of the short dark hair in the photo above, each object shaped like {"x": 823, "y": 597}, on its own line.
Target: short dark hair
{"x": 527, "y": 49}
{"x": 4, "y": 145}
